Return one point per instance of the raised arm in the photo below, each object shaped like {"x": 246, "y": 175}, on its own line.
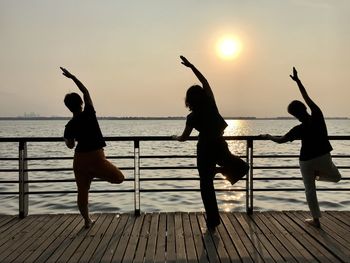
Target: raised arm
{"x": 312, "y": 105}
{"x": 82, "y": 88}
{"x": 199, "y": 75}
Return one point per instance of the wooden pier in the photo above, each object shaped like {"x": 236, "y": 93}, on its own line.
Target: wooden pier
{"x": 175, "y": 237}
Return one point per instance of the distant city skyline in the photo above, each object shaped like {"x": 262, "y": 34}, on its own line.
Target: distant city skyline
{"x": 127, "y": 55}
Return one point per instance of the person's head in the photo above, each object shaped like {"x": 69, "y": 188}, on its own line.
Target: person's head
{"x": 298, "y": 110}
{"x": 195, "y": 97}
{"x": 73, "y": 102}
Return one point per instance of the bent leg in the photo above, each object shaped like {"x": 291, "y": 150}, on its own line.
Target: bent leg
{"x": 327, "y": 171}
{"x": 105, "y": 170}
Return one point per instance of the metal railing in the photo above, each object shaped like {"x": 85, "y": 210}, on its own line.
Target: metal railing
{"x": 24, "y": 181}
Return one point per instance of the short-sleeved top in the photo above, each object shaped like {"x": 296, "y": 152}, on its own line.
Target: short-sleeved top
{"x": 207, "y": 121}
{"x": 313, "y": 135}
{"x": 84, "y": 128}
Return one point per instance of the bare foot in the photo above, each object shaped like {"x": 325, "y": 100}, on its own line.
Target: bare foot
{"x": 313, "y": 222}
{"x": 89, "y": 223}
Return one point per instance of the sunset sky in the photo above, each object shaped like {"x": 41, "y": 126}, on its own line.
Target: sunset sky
{"x": 127, "y": 54}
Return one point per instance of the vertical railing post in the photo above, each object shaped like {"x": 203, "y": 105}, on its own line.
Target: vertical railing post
{"x": 23, "y": 179}
{"x": 137, "y": 201}
{"x": 250, "y": 181}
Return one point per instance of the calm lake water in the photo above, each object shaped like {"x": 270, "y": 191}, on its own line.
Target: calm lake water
{"x": 167, "y": 201}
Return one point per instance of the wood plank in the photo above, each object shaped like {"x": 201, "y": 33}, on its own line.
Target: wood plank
{"x": 307, "y": 241}
{"x": 76, "y": 240}
{"x": 179, "y": 239}
{"x": 124, "y": 239}
{"x": 84, "y": 240}
{"x": 143, "y": 239}
{"x": 5, "y": 221}
{"x": 330, "y": 249}
{"x": 161, "y": 240}
{"x": 340, "y": 216}
{"x": 58, "y": 242}
{"x": 15, "y": 227}
{"x": 152, "y": 238}
{"x": 219, "y": 246}
{"x": 124, "y": 221}
{"x": 208, "y": 241}
{"x": 34, "y": 239}
{"x": 176, "y": 237}
{"x": 134, "y": 238}
{"x": 189, "y": 241}
{"x": 234, "y": 239}
{"x": 102, "y": 247}
{"x": 170, "y": 241}
{"x": 253, "y": 252}
{"x": 288, "y": 249}
{"x": 198, "y": 239}
{"x": 270, "y": 236}
{"x": 43, "y": 243}
{"x": 18, "y": 242}
{"x": 254, "y": 234}
{"x": 96, "y": 239}
{"x": 67, "y": 238}
{"x": 336, "y": 229}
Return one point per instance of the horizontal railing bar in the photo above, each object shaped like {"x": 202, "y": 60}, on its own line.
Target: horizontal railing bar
{"x": 184, "y": 190}
{"x": 161, "y": 179}
{"x": 162, "y": 157}
{"x": 165, "y": 179}
{"x": 149, "y": 138}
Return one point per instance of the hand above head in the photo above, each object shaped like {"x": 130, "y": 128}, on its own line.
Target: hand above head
{"x": 295, "y": 75}
{"x": 66, "y": 73}
{"x": 185, "y": 62}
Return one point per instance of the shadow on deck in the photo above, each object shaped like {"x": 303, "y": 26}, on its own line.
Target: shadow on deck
{"x": 175, "y": 237}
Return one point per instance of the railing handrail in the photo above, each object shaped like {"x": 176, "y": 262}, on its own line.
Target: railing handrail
{"x": 24, "y": 181}
{"x": 151, "y": 138}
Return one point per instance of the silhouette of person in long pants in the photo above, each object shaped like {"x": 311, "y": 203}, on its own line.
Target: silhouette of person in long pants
{"x": 212, "y": 149}
{"x": 89, "y": 159}
{"x": 315, "y": 159}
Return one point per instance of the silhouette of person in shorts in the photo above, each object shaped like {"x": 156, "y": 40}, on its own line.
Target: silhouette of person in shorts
{"x": 89, "y": 158}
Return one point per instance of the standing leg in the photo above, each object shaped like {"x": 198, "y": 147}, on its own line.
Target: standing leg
{"x": 83, "y": 181}
{"x": 206, "y": 168}
{"x": 83, "y": 204}
{"x": 309, "y": 175}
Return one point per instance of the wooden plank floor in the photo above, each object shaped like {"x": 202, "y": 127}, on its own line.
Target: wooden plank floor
{"x": 175, "y": 237}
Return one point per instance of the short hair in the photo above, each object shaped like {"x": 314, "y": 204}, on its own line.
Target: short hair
{"x": 195, "y": 97}
{"x": 73, "y": 101}
{"x": 296, "y": 108}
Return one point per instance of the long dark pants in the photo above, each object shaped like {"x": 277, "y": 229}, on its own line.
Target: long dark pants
{"x": 209, "y": 153}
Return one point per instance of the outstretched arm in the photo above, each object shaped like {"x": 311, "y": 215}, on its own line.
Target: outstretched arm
{"x": 185, "y": 134}
{"x": 278, "y": 139}
{"x": 199, "y": 75}
{"x": 312, "y": 105}
{"x": 82, "y": 88}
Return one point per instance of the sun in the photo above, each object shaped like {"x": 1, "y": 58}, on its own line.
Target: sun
{"x": 228, "y": 48}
